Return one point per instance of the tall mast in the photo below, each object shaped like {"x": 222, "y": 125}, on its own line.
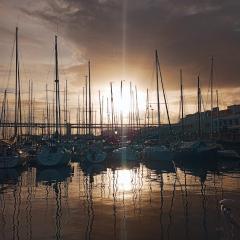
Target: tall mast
{"x": 163, "y": 90}
{"x": 217, "y": 113}
{"x": 83, "y": 110}
{"x": 78, "y": 116}
{"x": 3, "y": 113}
{"x": 158, "y": 100}
{"x": 31, "y": 117}
{"x": 57, "y": 89}
{"x": 16, "y": 87}
{"x": 66, "y": 106}
{"x": 86, "y": 102}
{"x": 48, "y": 130}
{"x": 29, "y": 107}
{"x": 137, "y": 109}
{"x": 199, "y": 108}
{"x": 131, "y": 108}
{"x": 108, "y": 116}
{"x": 19, "y": 101}
{"x": 182, "y": 109}
{"x": 112, "y": 106}
{"x": 89, "y": 96}
{"x": 100, "y": 112}
{"x": 148, "y": 112}
{"x": 211, "y": 83}
{"x": 121, "y": 91}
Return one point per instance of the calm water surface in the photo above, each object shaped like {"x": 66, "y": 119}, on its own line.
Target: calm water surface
{"x": 139, "y": 201}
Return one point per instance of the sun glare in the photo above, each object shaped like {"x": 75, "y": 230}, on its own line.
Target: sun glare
{"x": 124, "y": 180}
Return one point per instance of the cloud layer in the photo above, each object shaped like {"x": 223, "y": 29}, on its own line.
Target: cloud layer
{"x": 120, "y": 38}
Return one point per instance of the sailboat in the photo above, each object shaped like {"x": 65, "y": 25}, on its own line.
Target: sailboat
{"x": 11, "y": 153}
{"x": 158, "y": 152}
{"x": 199, "y": 149}
{"x": 54, "y": 152}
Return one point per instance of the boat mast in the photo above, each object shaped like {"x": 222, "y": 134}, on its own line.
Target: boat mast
{"x": 137, "y": 108}
{"x": 66, "y": 105}
{"x": 66, "y": 101}
{"x": 108, "y": 116}
{"x": 78, "y": 116}
{"x": 211, "y": 83}
{"x": 19, "y": 101}
{"x": 86, "y": 102}
{"x": 112, "y": 107}
{"x": 48, "y": 130}
{"x": 89, "y": 95}
{"x": 164, "y": 94}
{"x": 148, "y": 112}
{"x": 199, "y": 108}
{"x": 158, "y": 100}
{"x": 121, "y": 91}
{"x": 29, "y": 106}
{"x": 57, "y": 104}
{"x": 83, "y": 110}
{"x": 131, "y": 109}
{"x": 16, "y": 87}
{"x": 182, "y": 103}
{"x": 100, "y": 112}
{"x": 3, "y": 113}
{"x": 217, "y": 114}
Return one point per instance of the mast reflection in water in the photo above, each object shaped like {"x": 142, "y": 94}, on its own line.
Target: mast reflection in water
{"x": 141, "y": 201}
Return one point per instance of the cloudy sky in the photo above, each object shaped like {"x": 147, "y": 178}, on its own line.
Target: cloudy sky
{"x": 119, "y": 37}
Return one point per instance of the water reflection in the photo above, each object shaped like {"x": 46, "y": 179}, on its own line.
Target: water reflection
{"x": 114, "y": 201}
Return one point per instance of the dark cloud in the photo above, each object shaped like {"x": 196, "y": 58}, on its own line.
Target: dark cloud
{"x": 120, "y": 38}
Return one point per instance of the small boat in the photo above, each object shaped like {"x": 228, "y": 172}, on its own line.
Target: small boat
{"x": 54, "y": 154}
{"x": 11, "y": 156}
{"x": 157, "y": 153}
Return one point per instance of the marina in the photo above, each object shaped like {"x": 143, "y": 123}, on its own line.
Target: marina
{"x": 99, "y": 141}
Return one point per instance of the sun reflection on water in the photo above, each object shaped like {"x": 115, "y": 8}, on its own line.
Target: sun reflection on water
{"x": 124, "y": 180}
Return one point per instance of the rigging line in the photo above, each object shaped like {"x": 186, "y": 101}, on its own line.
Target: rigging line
{"x": 23, "y": 68}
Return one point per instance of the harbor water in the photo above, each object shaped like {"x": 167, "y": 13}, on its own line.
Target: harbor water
{"x": 117, "y": 201}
